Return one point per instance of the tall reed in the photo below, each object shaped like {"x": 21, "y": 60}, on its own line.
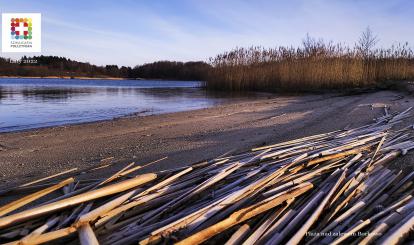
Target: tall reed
{"x": 316, "y": 65}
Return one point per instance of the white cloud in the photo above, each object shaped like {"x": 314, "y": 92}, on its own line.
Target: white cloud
{"x": 134, "y": 32}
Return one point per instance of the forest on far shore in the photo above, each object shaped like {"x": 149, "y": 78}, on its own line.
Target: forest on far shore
{"x": 316, "y": 65}
{"x": 63, "y": 67}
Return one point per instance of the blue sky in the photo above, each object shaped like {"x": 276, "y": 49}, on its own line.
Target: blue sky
{"x": 128, "y": 32}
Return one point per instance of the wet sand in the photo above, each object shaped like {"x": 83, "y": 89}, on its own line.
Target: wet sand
{"x": 188, "y": 137}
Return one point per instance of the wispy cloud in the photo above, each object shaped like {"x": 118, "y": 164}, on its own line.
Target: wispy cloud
{"x": 134, "y": 32}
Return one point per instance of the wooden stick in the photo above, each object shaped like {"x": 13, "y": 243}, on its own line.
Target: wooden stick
{"x": 206, "y": 184}
{"x": 242, "y": 215}
{"x": 239, "y": 235}
{"x": 30, "y": 198}
{"x": 51, "y": 222}
{"x": 116, "y": 175}
{"x": 86, "y": 235}
{"x": 126, "y": 172}
{"x": 396, "y": 235}
{"x": 132, "y": 204}
{"x": 254, "y": 237}
{"x": 357, "y": 227}
{"x": 96, "y": 213}
{"x": 47, "y": 237}
{"x": 315, "y": 215}
{"x": 49, "y": 177}
{"x": 71, "y": 201}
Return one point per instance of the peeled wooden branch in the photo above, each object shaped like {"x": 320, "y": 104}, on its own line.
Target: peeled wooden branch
{"x": 86, "y": 235}
{"x": 50, "y": 236}
{"x": 315, "y": 215}
{"x": 36, "y": 181}
{"x": 49, "y": 177}
{"x": 88, "y": 196}
{"x": 253, "y": 238}
{"x": 244, "y": 214}
{"x": 397, "y": 234}
{"x": 239, "y": 235}
{"x": 357, "y": 227}
{"x": 30, "y": 198}
{"x": 94, "y": 214}
{"x": 51, "y": 222}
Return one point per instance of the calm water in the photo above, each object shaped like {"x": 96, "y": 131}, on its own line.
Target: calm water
{"x": 34, "y": 103}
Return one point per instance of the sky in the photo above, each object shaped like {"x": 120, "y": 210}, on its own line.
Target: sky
{"x": 134, "y": 32}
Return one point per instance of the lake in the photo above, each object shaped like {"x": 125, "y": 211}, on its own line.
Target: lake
{"x": 36, "y": 103}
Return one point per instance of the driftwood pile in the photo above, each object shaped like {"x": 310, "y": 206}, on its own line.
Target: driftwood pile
{"x": 331, "y": 188}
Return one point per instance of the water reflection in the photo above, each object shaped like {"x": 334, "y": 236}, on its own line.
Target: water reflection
{"x": 48, "y": 94}
{"x": 64, "y": 93}
{"x": 26, "y": 103}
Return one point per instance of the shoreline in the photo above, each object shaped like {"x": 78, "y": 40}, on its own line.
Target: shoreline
{"x": 69, "y": 78}
{"x": 126, "y": 116}
{"x": 96, "y": 78}
{"x": 137, "y": 114}
{"x": 189, "y": 136}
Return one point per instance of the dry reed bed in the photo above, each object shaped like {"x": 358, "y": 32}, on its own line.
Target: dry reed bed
{"x": 291, "y": 192}
{"x": 316, "y": 66}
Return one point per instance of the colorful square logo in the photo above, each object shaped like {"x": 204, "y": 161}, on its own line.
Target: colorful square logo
{"x": 21, "y": 32}
{"x": 21, "y": 28}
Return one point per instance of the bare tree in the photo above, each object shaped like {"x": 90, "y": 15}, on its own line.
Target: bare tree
{"x": 308, "y": 43}
{"x": 312, "y": 46}
{"x": 366, "y": 42}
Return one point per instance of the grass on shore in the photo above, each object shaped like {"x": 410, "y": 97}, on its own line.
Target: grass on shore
{"x": 315, "y": 66}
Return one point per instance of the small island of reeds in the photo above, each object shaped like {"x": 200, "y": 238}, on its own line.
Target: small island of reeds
{"x": 317, "y": 65}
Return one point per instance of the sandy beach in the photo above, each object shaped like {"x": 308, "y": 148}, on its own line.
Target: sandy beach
{"x": 188, "y": 137}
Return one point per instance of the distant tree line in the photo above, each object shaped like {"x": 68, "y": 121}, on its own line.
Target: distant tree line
{"x": 63, "y": 67}
{"x": 313, "y": 66}
{"x": 167, "y": 70}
